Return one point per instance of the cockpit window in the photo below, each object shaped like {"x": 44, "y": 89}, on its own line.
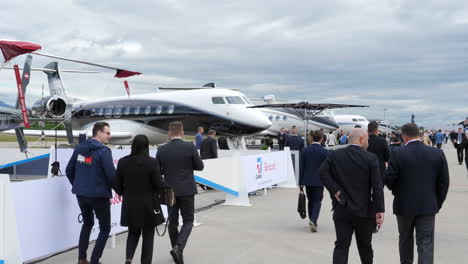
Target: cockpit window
{"x": 247, "y": 101}
{"x": 355, "y": 119}
{"x": 362, "y": 120}
{"x": 234, "y": 100}
{"x": 217, "y": 100}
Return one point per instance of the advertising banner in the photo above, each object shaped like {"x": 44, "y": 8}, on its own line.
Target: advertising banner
{"x": 47, "y": 213}
{"x": 264, "y": 170}
{"x": 49, "y": 218}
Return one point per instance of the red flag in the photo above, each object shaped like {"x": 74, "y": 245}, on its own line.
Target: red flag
{"x": 24, "y": 112}
{"x": 124, "y": 73}
{"x": 127, "y": 88}
{"x": 11, "y": 49}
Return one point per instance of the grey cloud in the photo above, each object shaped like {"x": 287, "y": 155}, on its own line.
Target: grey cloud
{"x": 405, "y": 56}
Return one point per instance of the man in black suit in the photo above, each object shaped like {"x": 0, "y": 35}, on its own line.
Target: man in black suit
{"x": 352, "y": 176}
{"x": 281, "y": 139}
{"x": 294, "y": 141}
{"x": 378, "y": 145}
{"x": 419, "y": 179}
{"x": 209, "y": 148}
{"x": 178, "y": 159}
{"x": 459, "y": 142}
{"x": 311, "y": 159}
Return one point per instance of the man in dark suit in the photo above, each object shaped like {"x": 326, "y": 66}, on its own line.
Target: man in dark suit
{"x": 294, "y": 141}
{"x": 281, "y": 139}
{"x": 352, "y": 176}
{"x": 209, "y": 148}
{"x": 459, "y": 142}
{"x": 311, "y": 159}
{"x": 378, "y": 146}
{"x": 178, "y": 159}
{"x": 419, "y": 179}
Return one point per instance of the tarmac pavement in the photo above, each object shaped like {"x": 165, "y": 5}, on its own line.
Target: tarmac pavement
{"x": 271, "y": 231}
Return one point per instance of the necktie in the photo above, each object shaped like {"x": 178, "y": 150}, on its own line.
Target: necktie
{"x": 459, "y": 138}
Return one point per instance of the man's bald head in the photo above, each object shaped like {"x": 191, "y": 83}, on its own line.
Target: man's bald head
{"x": 359, "y": 136}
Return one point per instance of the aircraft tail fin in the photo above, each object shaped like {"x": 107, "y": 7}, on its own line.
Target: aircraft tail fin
{"x": 56, "y": 86}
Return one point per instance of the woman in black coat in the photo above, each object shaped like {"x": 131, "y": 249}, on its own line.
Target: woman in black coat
{"x": 139, "y": 182}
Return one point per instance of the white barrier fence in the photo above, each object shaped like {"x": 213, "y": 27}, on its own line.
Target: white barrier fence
{"x": 9, "y": 242}
{"x": 41, "y": 217}
{"x": 49, "y": 218}
{"x": 238, "y": 175}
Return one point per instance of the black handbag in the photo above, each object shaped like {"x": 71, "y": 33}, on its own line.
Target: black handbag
{"x": 301, "y": 204}
{"x": 167, "y": 197}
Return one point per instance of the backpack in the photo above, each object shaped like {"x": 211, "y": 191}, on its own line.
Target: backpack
{"x": 343, "y": 139}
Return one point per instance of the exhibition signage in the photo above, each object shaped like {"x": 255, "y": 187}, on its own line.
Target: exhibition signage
{"x": 49, "y": 219}
{"x": 261, "y": 171}
{"x": 9, "y": 241}
{"x": 48, "y": 216}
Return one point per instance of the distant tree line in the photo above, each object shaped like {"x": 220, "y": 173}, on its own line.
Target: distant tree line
{"x": 47, "y": 126}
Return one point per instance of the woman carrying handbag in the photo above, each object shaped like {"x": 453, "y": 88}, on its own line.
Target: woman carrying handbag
{"x": 139, "y": 182}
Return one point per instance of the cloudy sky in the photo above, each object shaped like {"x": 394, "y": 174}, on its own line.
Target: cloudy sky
{"x": 405, "y": 56}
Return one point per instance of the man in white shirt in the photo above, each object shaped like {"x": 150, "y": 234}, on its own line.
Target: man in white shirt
{"x": 331, "y": 140}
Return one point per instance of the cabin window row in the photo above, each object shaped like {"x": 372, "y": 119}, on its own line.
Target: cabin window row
{"x": 131, "y": 110}
{"x": 277, "y": 118}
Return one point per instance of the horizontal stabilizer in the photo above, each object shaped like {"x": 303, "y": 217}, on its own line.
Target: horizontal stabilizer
{"x": 50, "y": 70}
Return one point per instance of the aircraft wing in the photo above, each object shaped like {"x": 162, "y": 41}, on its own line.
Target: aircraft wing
{"x": 63, "y": 133}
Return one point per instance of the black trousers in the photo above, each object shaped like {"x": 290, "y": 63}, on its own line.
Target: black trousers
{"x": 147, "y": 246}
{"x": 186, "y": 206}
{"x": 439, "y": 145}
{"x": 345, "y": 225}
{"x": 89, "y": 206}
{"x": 459, "y": 153}
{"x": 424, "y": 226}
{"x": 314, "y": 197}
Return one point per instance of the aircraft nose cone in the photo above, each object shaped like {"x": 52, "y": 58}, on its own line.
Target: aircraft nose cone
{"x": 263, "y": 121}
{"x": 325, "y": 121}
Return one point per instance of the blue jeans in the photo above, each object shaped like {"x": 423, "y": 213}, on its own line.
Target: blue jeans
{"x": 90, "y": 206}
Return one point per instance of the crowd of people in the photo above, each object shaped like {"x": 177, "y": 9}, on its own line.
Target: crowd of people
{"x": 92, "y": 174}
{"x": 355, "y": 177}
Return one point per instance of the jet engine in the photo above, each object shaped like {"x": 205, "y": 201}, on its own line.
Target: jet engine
{"x": 51, "y": 106}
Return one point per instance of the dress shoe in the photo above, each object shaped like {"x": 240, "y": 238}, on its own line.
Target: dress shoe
{"x": 313, "y": 227}
{"x": 176, "y": 254}
{"x": 83, "y": 261}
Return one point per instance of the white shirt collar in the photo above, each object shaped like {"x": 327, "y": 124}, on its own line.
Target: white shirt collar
{"x": 318, "y": 143}
{"x": 413, "y": 140}
{"x": 176, "y": 138}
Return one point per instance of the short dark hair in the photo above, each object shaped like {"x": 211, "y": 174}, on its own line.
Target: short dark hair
{"x": 316, "y": 135}
{"x": 211, "y": 132}
{"x": 410, "y": 130}
{"x": 99, "y": 126}
{"x": 176, "y": 128}
{"x": 372, "y": 127}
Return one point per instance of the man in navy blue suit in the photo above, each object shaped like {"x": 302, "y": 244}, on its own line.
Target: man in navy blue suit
{"x": 311, "y": 159}
{"x": 418, "y": 176}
